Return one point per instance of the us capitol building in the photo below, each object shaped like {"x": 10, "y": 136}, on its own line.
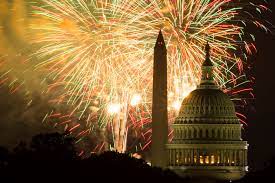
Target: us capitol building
{"x": 207, "y": 133}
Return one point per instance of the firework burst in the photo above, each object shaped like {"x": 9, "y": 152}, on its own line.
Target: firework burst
{"x": 100, "y": 52}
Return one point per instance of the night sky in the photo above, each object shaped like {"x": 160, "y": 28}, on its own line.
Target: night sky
{"x": 261, "y": 128}
{"x": 18, "y": 122}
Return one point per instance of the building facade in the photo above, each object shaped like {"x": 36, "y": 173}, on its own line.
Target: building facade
{"x": 207, "y": 133}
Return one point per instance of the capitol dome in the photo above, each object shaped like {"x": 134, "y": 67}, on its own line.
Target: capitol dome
{"x": 202, "y": 104}
{"x": 207, "y": 133}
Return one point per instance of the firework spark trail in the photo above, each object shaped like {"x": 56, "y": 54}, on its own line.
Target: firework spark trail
{"x": 100, "y": 51}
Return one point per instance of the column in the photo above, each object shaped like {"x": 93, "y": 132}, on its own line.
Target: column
{"x": 219, "y": 157}
{"x": 245, "y": 159}
{"x": 192, "y": 157}
{"x": 170, "y": 157}
{"x": 227, "y": 157}
{"x": 173, "y": 157}
{"x": 198, "y": 156}
{"x": 177, "y": 157}
{"x": 243, "y": 153}
{"x": 235, "y": 157}
{"x": 181, "y": 156}
{"x": 238, "y": 158}
{"x": 195, "y": 156}
{"x": 185, "y": 157}
{"x": 222, "y": 157}
{"x": 240, "y": 134}
{"x": 185, "y": 134}
{"x": 241, "y": 157}
{"x": 171, "y": 154}
{"x": 216, "y": 155}
{"x": 230, "y": 157}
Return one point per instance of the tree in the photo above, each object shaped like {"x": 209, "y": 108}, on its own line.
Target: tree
{"x": 53, "y": 146}
{"x": 4, "y": 157}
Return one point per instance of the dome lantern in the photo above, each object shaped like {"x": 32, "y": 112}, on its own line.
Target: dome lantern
{"x": 207, "y": 76}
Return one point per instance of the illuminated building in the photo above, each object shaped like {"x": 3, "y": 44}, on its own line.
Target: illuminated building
{"x": 207, "y": 133}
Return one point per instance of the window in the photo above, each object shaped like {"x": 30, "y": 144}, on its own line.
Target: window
{"x": 207, "y": 160}
{"x": 195, "y": 133}
{"x": 218, "y": 159}
{"x": 206, "y": 134}
{"x": 200, "y": 135}
{"x": 213, "y": 133}
{"x": 219, "y": 134}
{"x": 212, "y": 161}
{"x": 201, "y": 160}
